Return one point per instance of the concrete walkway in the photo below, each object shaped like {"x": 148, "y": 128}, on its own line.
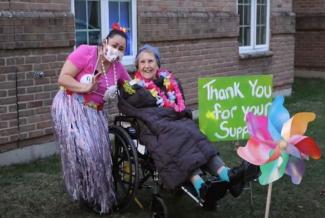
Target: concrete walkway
{"x": 309, "y": 74}
{"x": 28, "y": 154}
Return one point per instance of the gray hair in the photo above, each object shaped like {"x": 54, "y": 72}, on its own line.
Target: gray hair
{"x": 151, "y": 49}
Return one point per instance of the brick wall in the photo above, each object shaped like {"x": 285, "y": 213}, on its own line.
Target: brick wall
{"x": 310, "y": 36}
{"x": 196, "y": 42}
{"x": 35, "y": 36}
{"x": 309, "y": 6}
{"x": 36, "y": 5}
{"x": 196, "y": 38}
{"x": 186, "y": 5}
{"x": 281, "y": 5}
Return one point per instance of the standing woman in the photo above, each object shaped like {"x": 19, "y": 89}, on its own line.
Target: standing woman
{"x": 88, "y": 79}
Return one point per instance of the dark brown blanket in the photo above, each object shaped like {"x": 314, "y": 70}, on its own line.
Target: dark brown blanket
{"x": 172, "y": 138}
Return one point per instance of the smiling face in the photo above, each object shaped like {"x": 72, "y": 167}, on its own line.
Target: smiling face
{"x": 147, "y": 65}
{"x": 114, "y": 48}
{"x": 117, "y": 42}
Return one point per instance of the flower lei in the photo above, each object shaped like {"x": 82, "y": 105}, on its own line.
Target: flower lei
{"x": 173, "y": 99}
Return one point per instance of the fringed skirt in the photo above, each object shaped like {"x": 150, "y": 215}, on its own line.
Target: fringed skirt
{"x": 82, "y": 134}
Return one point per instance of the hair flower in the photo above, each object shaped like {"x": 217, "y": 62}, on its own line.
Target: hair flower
{"x": 117, "y": 26}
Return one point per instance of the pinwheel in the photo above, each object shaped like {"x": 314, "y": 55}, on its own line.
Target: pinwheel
{"x": 277, "y": 143}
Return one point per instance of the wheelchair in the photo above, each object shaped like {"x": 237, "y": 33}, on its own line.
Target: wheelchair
{"x": 133, "y": 167}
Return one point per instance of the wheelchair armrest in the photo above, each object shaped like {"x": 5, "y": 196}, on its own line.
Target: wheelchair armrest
{"x": 123, "y": 118}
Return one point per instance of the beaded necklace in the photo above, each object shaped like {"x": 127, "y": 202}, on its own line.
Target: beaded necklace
{"x": 111, "y": 91}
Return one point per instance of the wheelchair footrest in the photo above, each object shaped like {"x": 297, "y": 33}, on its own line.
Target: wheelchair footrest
{"x": 190, "y": 191}
{"x": 212, "y": 191}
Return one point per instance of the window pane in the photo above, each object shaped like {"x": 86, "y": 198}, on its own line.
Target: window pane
{"x": 128, "y": 50}
{"x": 80, "y": 14}
{"x": 94, "y": 37}
{"x": 124, "y": 14}
{"x": 87, "y": 20}
{"x": 121, "y": 12}
{"x": 81, "y": 38}
{"x": 241, "y": 37}
{"x": 261, "y": 22}
{"x": 261, "y": 14}
{"x": 247, "y": 14}
{"x": 241, "y": 15}
{"x": 113, "y": 13}
{"x": 247, "y": 36}
{"x": 261, "y": 35}
{"x": 93, "y": 15}
{"x": 244, "y": 11}
{"x": 258, "y": 35}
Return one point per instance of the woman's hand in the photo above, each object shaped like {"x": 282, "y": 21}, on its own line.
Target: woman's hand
{"x": 91, "y": 86}
{"x": 67, "y": 79}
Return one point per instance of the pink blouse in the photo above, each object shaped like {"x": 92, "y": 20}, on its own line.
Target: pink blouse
{"x": 85, "y": 58}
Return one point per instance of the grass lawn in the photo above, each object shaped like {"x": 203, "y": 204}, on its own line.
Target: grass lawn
{"x": 37, "y": 190}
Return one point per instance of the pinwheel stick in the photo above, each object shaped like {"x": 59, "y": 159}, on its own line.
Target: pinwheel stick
{"x": 268, "y": 201}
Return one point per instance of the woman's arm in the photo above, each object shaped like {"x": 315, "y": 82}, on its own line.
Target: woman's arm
{"x": 67, "y": 79}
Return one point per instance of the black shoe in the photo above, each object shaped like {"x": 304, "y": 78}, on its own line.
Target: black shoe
{"x": 236, "y": 188}
{"x": 239, "y": 176}
{"x": 211, "y": 192}
{"x": 236, "y": 181}
{"x": 251, "y": 172}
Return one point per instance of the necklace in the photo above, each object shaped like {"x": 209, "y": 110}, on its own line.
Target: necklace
{"x": 172, "y": 97}
{"x": 111, "y": 91}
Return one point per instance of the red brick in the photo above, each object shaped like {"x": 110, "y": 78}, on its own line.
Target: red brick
{"x": 37, "y": 133}
{"x": 13, "y": 108}
{"x": 44, "y": 125}
{"x": 3, "y": 125}
{"x": 34, "y": 104}
{"x": 3, "y": 109}
{"x": 9, "y": 131}
{"x": 28, "y": 97}
{"x": 27, "y": 128}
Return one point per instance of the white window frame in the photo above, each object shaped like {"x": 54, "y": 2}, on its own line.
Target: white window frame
{"x": 127, "y": 59}
{"x": 253, "y": 48}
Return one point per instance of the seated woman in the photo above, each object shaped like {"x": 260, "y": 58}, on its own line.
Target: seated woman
{"x": 175, "y": 143}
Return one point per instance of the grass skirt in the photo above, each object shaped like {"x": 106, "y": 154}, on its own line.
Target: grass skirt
{"x": 82, "y": 134}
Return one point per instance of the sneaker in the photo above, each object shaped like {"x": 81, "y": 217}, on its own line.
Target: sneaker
{"x": 211, "y": 192}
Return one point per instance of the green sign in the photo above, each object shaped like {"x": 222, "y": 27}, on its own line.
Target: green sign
{"x": 224, "y": 102}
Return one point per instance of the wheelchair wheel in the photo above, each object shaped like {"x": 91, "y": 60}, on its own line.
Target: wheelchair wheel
{"x": 125, "y": 166}
{"x": 158, "y": 208}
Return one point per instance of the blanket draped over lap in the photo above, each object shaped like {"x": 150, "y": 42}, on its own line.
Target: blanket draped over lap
{"x": 172, "y": 138}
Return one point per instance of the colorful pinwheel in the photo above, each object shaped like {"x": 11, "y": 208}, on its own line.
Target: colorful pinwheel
{"x": 277, "y": 143}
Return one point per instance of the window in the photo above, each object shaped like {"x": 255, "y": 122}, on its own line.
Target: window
{"x": 254, "y": 25}
{"x": 94, "y": 18}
